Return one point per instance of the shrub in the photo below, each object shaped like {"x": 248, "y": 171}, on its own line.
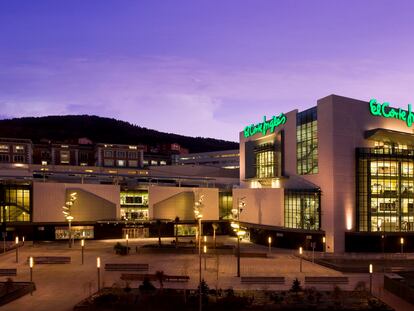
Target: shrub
{"x": 121, "y": 249}
{"x": 146, "y": 285}
{"x": 105, "y": 299}
{"x": 296, "y": 287}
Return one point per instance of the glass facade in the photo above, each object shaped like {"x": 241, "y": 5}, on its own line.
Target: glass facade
{"x": 134, "y": 205}
{"x": 225, "y": 205}
{"x": 302, "y": 209}
{"x": 385, "y": 189}
{"x": 307, "y": 142}
{"x": 15, "y": 201}
{"x": 266, "y": 161}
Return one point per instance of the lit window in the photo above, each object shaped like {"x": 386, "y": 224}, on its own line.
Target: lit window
{"x": 18, "y": 149}
{"x": 4, "y": 148}
{"x": 108, "y": 162}
{"x": 64, "y": 157}
{"x": 153, "y": 162}
{"x": 120, "y": 163}
{"x": 132, "y": 163}
{"x": 163, "y": 163}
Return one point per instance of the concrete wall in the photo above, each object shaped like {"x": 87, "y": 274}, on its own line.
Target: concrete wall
{"x": 170, "y": 202}
{"x": 94, "y": 202}
{"x": 262, "y": 206}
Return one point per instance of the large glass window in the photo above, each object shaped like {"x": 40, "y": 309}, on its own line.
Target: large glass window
{"x": 302, "y": 209}
{"x": 15, "y": 203}
{"x": 307, "y": 142}
{"x": 266, "y": 161}
{"x": 134, "y": 205}
{"x": 385, "y": 189}
{"x": 225, "y": 205}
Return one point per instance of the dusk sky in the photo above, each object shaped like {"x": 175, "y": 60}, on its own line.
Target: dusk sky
{"x": 200, "y": 68}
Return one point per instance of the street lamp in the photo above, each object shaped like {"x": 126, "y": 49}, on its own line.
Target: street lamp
{"x": 324, "y": 243}
{"x": 269, "y": 240}
{"x": 17, "y": 248}
{"x": 402, "y": 245}
{"x": 371, "y": 270}
{"x": 98, "y": 266}
{"x": 31, "y": 263}
{"x": 236, "y": 227}
{"x": 83, "y": 246}
{"x": 198, "y": 205}
{"x": 67, "y": 212}
{"x": 300, "y": 258}
{"x": 205, "y": 257}
{"x": 126, "y": 237}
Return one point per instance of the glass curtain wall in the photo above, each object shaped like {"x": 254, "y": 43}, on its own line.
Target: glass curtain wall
{"x": 385, "y": 189}
{"x": 15, "y": 201}
{"x": 134, "y": 205}
{"x": 267, "y": 160}
{"x": 225, "y": 205}
{"x": 307, "y": 142}
{"x": 302, "y": 209}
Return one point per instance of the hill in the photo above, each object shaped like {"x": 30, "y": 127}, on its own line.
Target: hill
{"x": 102, "y": 130}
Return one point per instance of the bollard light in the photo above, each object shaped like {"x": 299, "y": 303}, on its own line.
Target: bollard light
{"x": 205, "y": 239}
{"x": 16, "y": 240}
{"x": 370, "y": 268}
{"x": 98, "y": 262}
{"x": 300, "y": 250}
{"x": 31, "y": 262}
{"x": 205, "y": 249}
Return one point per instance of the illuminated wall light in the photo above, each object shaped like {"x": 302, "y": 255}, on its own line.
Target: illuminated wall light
{"x": 276, "y": 183}
{"x": 349, "y": 219}
{"x": 255, "y": 184}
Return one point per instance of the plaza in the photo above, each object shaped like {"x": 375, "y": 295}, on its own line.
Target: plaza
{"x": 61, "y": 286}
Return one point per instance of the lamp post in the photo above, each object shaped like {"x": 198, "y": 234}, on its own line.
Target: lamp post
{"x": 300, "y": 258}
{"x": 205, "y": 257}
{"x": 269, "y": 240}
{"x": 17, "y": 248}
{"x": 402, "y": 245}
{"x": 31, "y": 263}
{"x": 198, "y": 205}
{"x": 324, "y": 243}
{"x": 126, "y": 238}
{"x": 83, "y": 246}
{"x": 67, "y": 211}
{"x": 236, "y": 227}
{"x": 371, "y": 270}
{"x": 98, "y": 266}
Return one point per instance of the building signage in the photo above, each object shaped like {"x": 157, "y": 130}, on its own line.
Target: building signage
{"x": 264, "y": 126}
{"x": 384, "y": 110}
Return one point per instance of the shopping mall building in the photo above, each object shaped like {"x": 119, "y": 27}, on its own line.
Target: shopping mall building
{"x": 344, "y": 168}
{"x": 338, "y": 176}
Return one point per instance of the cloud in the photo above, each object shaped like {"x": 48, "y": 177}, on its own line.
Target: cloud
{"x": 187, "y": 96}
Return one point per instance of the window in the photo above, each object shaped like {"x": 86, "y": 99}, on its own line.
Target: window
{"x": 4, "y": 158}
{"x": 385, "y": 189}
{"x": 64, "y": 157}
{"x": 163, "y": 162}
{"x": 19, "y": 159}
{"x": 108, "y": 162}
{"x": 18, "y": 149}
{"x": 120, "y": 163}
{"x": 108, "y": 154}
{"x": 4, "y": 148}
{"x": 307, "y": 142}
{"x": 265, "y": 161}
{"x": 132, "y": 155}
{"x": 133, "y": 163}
{"x": 120, "y": 154}
{"x": 16, "y": 204}
{"x": 153, "y": 162}
{"x": 302, "y": 209}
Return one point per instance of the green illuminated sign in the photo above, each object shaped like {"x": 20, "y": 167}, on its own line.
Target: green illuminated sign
{"x": 264, "y": 126}
{"x": 384, "y": 110}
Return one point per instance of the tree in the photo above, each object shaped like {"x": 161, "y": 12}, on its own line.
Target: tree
{"x": 215, "y": 227}
{"x": 176, "y": 221}
{"x": 296, "y": 287}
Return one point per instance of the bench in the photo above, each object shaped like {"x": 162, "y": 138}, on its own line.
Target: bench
{"x": 176, "y": 278}
{"x": 126, "y": 267}
{"x": 8, "y": 272}
{"x": 153, "y": 277}
{"x": 253, "y": 255}
{"x": 263, "y": 279}
{"x": 39, "y": 260}
{"x": 326, "y": 280}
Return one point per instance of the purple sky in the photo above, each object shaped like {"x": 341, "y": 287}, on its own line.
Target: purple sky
{"x": 200, "y": 68}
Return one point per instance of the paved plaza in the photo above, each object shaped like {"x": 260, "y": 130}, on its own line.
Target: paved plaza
{"x": 61, "y": 286}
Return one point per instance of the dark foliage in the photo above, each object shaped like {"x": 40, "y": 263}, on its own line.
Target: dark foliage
{"x": 102, "y": 130}
{"x": 146, "y": 285}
